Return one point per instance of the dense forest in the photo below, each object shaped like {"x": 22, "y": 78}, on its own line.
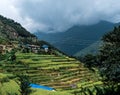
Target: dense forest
{"x": 107, "y": 60}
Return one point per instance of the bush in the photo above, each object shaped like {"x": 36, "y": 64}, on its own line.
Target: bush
{"x": 24, "y": 84}
{"x": 103, "y": 90}
{"x": 5, "y": 79}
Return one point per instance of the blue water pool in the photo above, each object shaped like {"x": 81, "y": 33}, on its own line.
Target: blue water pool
{"x": 41, "y": 87}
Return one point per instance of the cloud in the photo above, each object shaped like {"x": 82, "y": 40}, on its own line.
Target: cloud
{"x": 8, "y": 9}
{"x": 59, "y": 15}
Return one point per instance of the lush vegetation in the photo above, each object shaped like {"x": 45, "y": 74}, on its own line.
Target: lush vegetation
{"x": 107, "y": 61}
{"x": 110, "y": 55}
{"x": 11, "y": 87}
{"x": 59, "y": 72}
{"x": 92, "y": 49}
{"x": 24, "y": 84}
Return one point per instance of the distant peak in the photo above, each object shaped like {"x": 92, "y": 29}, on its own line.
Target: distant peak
{"x": 104, "y": 22}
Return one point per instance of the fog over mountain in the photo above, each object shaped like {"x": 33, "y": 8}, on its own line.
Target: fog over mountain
{"x": 77, "y": 38}
{"x": 59, "y": 15}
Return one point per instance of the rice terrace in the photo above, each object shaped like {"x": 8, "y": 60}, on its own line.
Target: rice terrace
{"x": 59, "y": 72}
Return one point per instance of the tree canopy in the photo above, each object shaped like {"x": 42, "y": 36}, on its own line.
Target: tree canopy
{"x": 109, "y": 56}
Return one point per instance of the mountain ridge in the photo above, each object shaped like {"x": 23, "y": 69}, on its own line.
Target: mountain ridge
{"x": 13, "y": 34}
{"x": 77, "y": 38}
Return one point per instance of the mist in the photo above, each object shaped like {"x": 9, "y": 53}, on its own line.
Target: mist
{"x": 59, "y": 15}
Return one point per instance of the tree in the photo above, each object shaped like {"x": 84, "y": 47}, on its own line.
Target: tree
{"x": 10, "y": 56}
{"x": 13, "y": 56}
{"x": 109, "y": 56}
{"x": 88, "y": 60}
{"x": 97, "y": 90}
{"x": 1, "y": 57}
{"x": 24, "y": 84}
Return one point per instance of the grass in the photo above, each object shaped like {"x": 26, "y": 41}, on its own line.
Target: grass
{"x": 12, "y": 88}
{"x": 44, "y": 92}
{"x": 58, "y": 72}
{"x": 9, "y": 87}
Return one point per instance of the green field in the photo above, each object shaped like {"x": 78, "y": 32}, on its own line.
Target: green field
{"x": 59, "y": 72}
{"x": 12, "y": 88}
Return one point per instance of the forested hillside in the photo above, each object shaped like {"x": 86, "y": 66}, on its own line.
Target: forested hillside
{"x": 12, "y": 32}
{"x": 92, "y": 49}
{"x": 12, "y": 26}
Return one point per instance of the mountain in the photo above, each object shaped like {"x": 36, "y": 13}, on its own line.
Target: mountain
{"x": 92, "y": 49}
{"x": 77, "y": 37}
{"x": 11, "y": 25}
{"x": 12, "y": 31}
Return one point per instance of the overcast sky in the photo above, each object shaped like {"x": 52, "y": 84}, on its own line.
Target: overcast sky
{"x": 59, "y": 15}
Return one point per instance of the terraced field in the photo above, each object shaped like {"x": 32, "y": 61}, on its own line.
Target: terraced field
{"x": 59, "y": 72}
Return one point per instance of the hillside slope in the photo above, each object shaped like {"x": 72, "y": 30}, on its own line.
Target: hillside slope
{"x": 13, "y": 31}
{"x": 10, "y": 25}
{"x": 78, "y": 37}
{"x": 60, "y": 72}
{"x": 92, "y": 49}
{"x": 13, "y": 34}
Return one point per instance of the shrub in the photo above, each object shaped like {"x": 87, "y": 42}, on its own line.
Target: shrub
{"x": 24, "y": 84}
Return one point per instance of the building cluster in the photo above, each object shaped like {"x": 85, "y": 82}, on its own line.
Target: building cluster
{"x": 31, "y": 48}
{"x": 35, "y": 48}
{"x": 4, "y": 48}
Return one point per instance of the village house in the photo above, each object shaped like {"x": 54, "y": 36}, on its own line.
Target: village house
{"x": 4, "y": 48}
{"x": 9, "y": 47}
{"x": 34, "y": 48}
{"x": 46, "y": 48}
